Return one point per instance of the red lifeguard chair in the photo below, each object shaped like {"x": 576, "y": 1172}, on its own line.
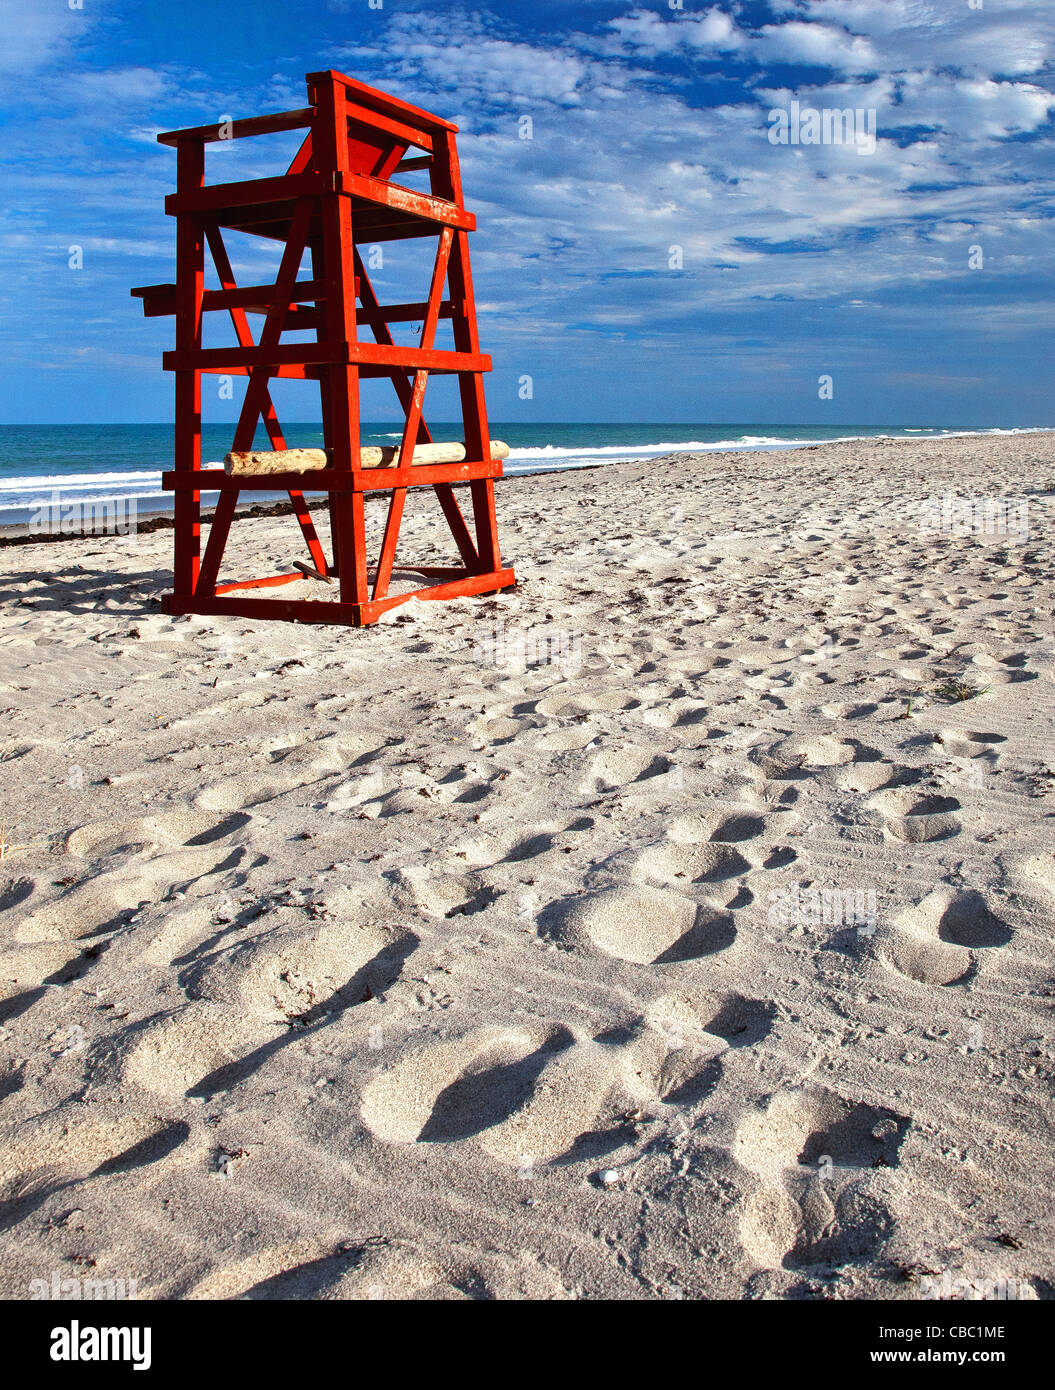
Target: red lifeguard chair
{"x": 337, "y": 194}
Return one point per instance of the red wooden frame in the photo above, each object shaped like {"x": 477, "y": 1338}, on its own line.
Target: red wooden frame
{"x": 337, "y": 194}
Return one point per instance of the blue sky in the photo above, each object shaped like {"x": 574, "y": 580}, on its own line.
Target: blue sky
{"x": 650, "y": 130}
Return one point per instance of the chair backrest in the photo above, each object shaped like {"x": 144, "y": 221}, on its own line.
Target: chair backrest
{"x": 381, "y": 128}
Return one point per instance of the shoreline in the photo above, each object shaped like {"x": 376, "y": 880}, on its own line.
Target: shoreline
{"x": 524, "y": 461}
{"x": 17, "y": 533}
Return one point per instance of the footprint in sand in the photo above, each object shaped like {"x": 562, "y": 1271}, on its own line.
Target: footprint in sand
{"x": 877, "y": 776}
{"x": 572, "y": 706}
{"x": 520, "y": 1091}
{"x": 1004, "y": 670}
{"x": 679, "y": 712}
{"x": 965, "y": 743}
{"x": 936, "y": 941}
{"x": 735, "y": 829}
{"x": 792, "y": 758}
{"x": 294, "y": 767}
{"x": 822, "y": 751}
{"x": 697, "y": 1030}
{"x": 618, "y": 767}
{"x": 129, "y": 863}
{"x": 667, "y": 863}
{"x": 379, "y": 1267}
{"x": 848, "y": 709}
{"x": 250, "y": 1000}
{"x": 285, "y": 974}
{"x": 523, "y": 845}
{"x": 168, "y": 1054}
{"x": 540, "y": 1094}
{"x": 916, "y": 817}
{"x": 493, "y": 732}
{"x": 709, "y": 848}
{"x": 14, "y": 891}
{"x": 1034, "y": 876}
{"x": 107, "y": 839}
{"x": 44, "y": 1158}
{"x": 441, "y": 894}
{"x": 814, "y": 1154}
{"x": 643, "y": 925}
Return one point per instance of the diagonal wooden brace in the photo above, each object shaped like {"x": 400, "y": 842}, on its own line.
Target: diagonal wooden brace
{"x": 257, "y": 391}
{"x": 404, "y": 390}
{"x": 413, "y": 420}
{"x": 243, "y": 332}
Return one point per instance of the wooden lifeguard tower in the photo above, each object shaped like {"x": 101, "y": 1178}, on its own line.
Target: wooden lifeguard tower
{"x": 337, "y": 195}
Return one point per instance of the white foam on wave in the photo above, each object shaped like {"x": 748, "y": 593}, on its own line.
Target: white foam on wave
{"x": 59, "y": 482}
{"x": 27, "y": 492}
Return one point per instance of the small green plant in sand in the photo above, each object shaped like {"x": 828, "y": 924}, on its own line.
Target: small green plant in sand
{"x": 956, "y": 690}
{"x": 919, "y": 694}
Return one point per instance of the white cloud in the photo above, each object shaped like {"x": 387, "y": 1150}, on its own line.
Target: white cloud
{"x": 517, "y": 70}
{"x": 971, "y": 110}
{"x": 602, "y": 189}
{"x": 129, "y": 86}
{"x": 716, "y": 30}
{"x": 644, "y": 31}
{"x": 36, "y": 33}
{"x": 1011, "y": 39}
{"x": 815, "y": 44}
{"x": 459, "y": 53}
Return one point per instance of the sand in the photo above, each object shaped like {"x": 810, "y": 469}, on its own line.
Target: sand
{"x": 707, "y": 953}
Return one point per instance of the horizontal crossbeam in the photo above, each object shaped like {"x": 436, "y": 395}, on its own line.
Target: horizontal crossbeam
{"x": 330, "y": 479}
{"x": 236, "y": 130}
{"x": 244, "y": 193}
{"x": 312, "y": 611}
{"x": 159, "y": 300}
{"x": 405, "y": 200}
{"x": 220, "y": 197}
{"x": 363, "y": 354}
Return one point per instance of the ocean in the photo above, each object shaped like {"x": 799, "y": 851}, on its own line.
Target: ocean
{"x": 42, "y": 464}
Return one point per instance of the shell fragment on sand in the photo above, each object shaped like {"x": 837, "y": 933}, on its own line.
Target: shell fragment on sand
{"x": 255, "y": 462}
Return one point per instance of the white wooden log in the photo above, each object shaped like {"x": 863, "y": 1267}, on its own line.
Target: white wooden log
{"x": 259, "y": 461}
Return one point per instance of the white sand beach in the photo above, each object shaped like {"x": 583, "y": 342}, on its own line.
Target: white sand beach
{"x": 708, "y": 953}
